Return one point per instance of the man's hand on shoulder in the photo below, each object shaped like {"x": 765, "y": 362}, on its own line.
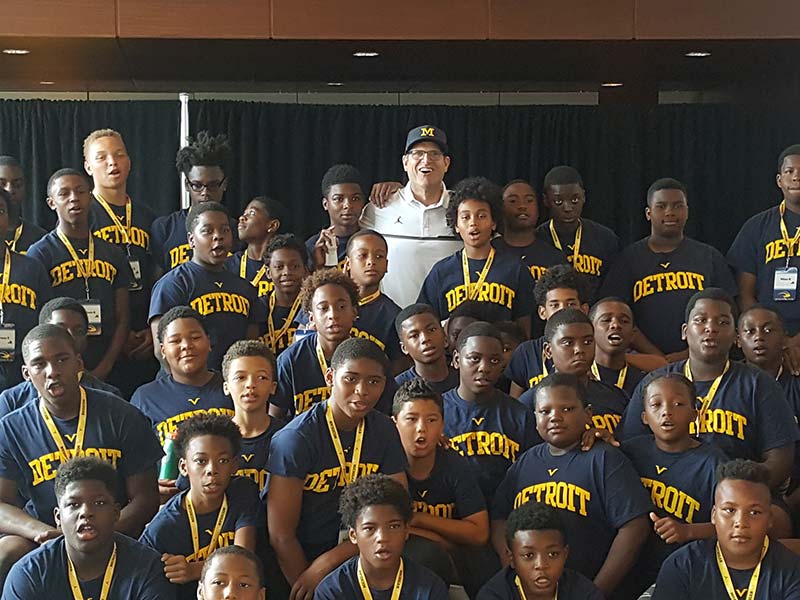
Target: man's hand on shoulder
{"x": 381, "y": 192}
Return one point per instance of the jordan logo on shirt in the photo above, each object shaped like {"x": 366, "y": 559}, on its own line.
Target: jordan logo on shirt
{"x": 247, "y": 457}
{"x": 552, "y": 471}
{"x": 664, "y": 265}
{"x": 399, "y": 221}
{"x": 660, "y": 470}
{"x": 478, "y": 421}
{"x": 194, "y": 401}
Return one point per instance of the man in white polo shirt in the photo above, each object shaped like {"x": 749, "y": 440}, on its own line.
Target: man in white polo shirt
{"x": 413, "y": 219}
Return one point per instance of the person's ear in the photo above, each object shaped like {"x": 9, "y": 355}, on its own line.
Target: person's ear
{"x": 546, "y": 351}
{"x": 714, "y": 514}
{"x": 183, "y": 467}
{"x": 778, "y": 179}
{"x": 446, "y": 164}
{"x": 161, "y": 349}
{"x": 26, "y": 374}
{"x": 324, "y": 204}
{"x": 644, "y": 419}
{"x": 346, "y": 266}
{"x": 684, "y": 328}
{"x": 403, "y": 348}
{"x": 273, "y": 388}
{"x": 647, "y": 213}
{"x": 585, "y": 309}
{"x": 87, "y": 167}
{"x": 51, "y": 203}
{"x": 351, "y": 533}
{"x": 57, "y": 517}
{"x": 540, "y": 310}
{"x": 274, "y": 226}
{"x": 190, "y": 239}
{"x": 455, "y": 357}
{"x": 225, "y": 389}
{"x": 329, "y": 379}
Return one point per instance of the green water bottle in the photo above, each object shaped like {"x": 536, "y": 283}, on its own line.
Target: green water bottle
{"x": 169, "y": 463}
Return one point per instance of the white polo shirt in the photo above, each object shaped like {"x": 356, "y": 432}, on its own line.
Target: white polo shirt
{"x": 418, "y": 237}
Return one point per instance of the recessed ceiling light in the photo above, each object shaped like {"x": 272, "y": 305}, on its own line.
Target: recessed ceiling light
{"x": 698, "y": 54}
{"x": 46, "y": 82}
{"x": 612, "y": 84}
{"x": 335, "y": 84}
{"x": 16, "y": 51}
{"x": 365, "y": 54}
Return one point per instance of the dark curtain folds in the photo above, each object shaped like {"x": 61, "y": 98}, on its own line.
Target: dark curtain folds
{"x": 725, "y": 154}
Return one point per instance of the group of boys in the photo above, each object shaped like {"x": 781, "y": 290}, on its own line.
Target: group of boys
{"x": 293, "y": 431}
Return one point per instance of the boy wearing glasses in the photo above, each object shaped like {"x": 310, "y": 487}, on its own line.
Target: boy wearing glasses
{"x": 413, "y": 219}
{"x": 206, "y": 162}
{"x": 588, "y": 246}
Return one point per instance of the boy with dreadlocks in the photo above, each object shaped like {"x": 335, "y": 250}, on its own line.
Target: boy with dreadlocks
{"x": 206, "y": 161}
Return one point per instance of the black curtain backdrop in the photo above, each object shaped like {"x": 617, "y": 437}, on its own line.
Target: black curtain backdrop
{"x": 725, "y": 154}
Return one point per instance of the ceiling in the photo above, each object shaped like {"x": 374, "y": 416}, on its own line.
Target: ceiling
{"x": 153, "y": 65}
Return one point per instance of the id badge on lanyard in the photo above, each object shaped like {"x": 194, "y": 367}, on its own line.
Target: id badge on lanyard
{"x": 784, "y": 284}
{"x": 8, "y": 342}
{"x": 95, "y": 314}
{"x": 136, "y": 270}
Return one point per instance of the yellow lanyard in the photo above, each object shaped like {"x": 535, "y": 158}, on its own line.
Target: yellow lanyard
{"x": 576, "y": 245}
{"x": 522, "y": 591}
{"x": 473, "y": 290}
{"x": 243, "y": 270}
{"x": 6, "y": 282}
{"x": 620, "y": 378}
{"x": 124, "y": 230}
{"x": 396, "y": 588}
{"x": 726, "y": 576}
{"x": 337, "y": 446}
{"x": 275, "y": 336}
{"x": 790, "y": 242}
{"x": 705, "y": 401}
{"x": 323, "y": 364}
{"x": 84, "y": 271}
{"x": 75, "y": 585}
{"x": 79, "y": 436}
{"x": 223, "y": 512}
{"x": 367, "y": 299}
{"x": 17, "y": 233}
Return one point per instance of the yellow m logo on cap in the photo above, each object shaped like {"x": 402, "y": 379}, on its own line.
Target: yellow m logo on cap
{"x": 427, "y": 132}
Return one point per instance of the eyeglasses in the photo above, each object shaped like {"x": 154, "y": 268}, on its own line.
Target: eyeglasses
{"x": 211, "y": 186}
{"x": 431, "y": 154}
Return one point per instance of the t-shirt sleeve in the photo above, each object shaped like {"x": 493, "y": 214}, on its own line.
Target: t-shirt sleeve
{"x": 617, "y": 281}
{"x": 516, "y": 369}
{"x": 432, "y": 294}
{"x": 140, "y": 447}
{"x": 503, "y": 501}
{"x": 722, "y": 275}
{"x": 44, "y": 290}
{"x": 328, "y": 588}
{"x": 155, "y": 585}
{"x": 625, "y": 497}
{"x": 394, "y": 457}
{"x": 742, "y": 255}
{"x": 258, "y": 310}
{"x": 167, "y": 292}
{"x": 9, "y": 467}
{"x": 124, "y": 274}
{"x": 289, "y": 455}
{"x": 469, "y": 499}
{"x": 22, "y": 583}
{"x": 631, "y": 424}
{"x": 523, "y": 303}
{"x": 775, "y": 418}
{"x": 284, "y": 391}
{"x": 528, "y": 398}
{"x": 384, "y": 404}
{"x": 438, "y": 590}
{"x": 251, "y": 512}
{"x": 673, "y": 579}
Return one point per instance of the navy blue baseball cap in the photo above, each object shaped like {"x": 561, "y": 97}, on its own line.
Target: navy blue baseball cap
{"x": 427, "y": 133}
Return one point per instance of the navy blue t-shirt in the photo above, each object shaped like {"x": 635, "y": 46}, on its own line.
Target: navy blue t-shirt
{"x": 169, "y": 241}
{"x": 228, "y": 303}
{"x": 301, "y": 382}
{"x": 254, "y": 456}
{"x": 30, "y": 233}
{"x": 419, "y": 583}
{"x": 681, "y": 486}
{"x": 22, "y": 393}
{"x": 138, "y": 249}
{"x": 251, "y": 270}
{"x": 527, "y": 365}
{"x": 448, "y": 383}
{"x": 748, "y": 416}
{"x": 169, "y": 531}
{"x": 538, "y": 256}
{"x": 632, "y": 378}
{"x": 490, "y": 435}
{"x": 451, "y": 490}
{"x": 115, "y": 432}
{"x": 375, "y": 322}
{"x": 42, "y": 573}
{"x": 507, "y": 292}
{"x": 657, "y": 286}
{"x": 691, "y": 573}
{"x": 596, "y": 492}
{"x": 341, "y": 248}
{"x": 21, "y": 298}
{"x": 303, "y": 450}
{"x": 279, "y": 316}
{"x": 571, "y": 586}
{"x": 166, "y": 403}
{"x": 109, "y": 273}
{"x": 599, "y": 249}
{"x": 608, "y": 403}
{"x": 791, "y": 388}
{"x": 759, "y": 249}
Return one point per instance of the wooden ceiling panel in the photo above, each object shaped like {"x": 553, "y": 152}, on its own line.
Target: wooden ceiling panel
{"x": 208, "y": 19}
{"x": 371, "y": 20}
{"x": 58, "y": 18}
{"x": 562, "y": 19}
